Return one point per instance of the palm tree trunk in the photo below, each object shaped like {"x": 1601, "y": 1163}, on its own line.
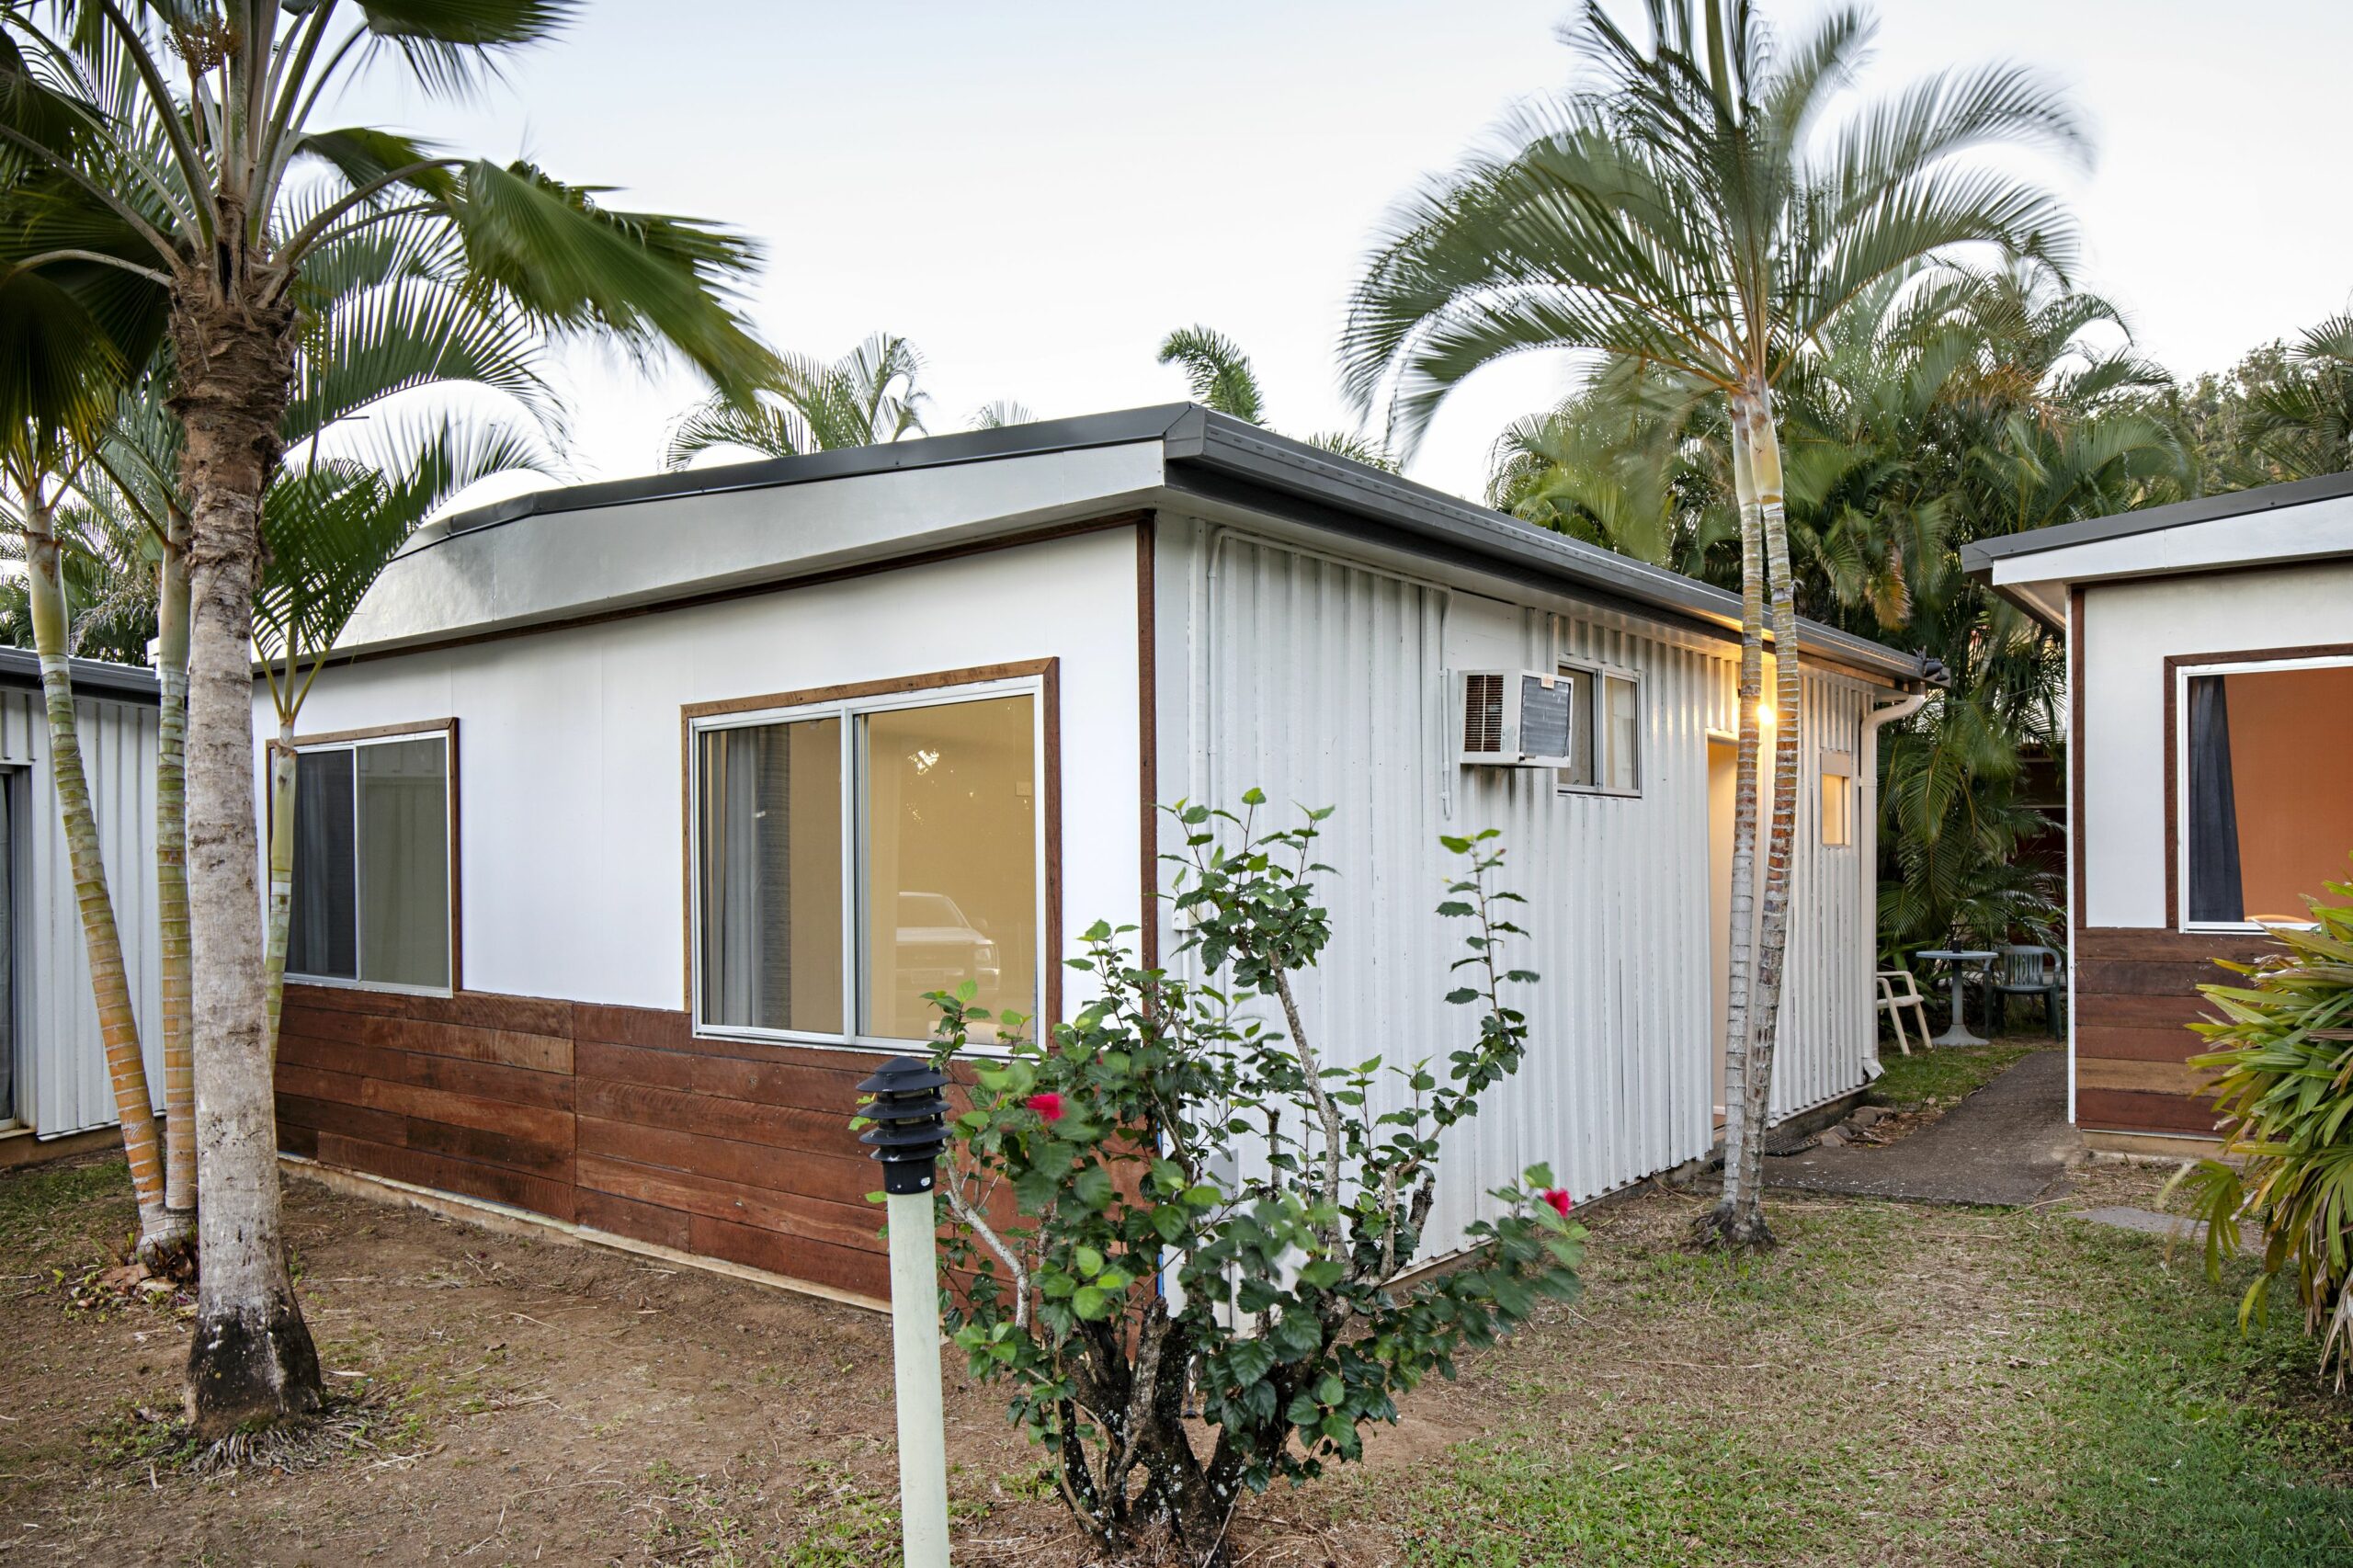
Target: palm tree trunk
{"x": 171, "y": 874}
{"x": 251, "y": 1362}
{"x": 109, "y": 979}
{"x": 1773, "y": 926}
{"x": 1738, "y": 1212}
{"x": 282, "y": 777}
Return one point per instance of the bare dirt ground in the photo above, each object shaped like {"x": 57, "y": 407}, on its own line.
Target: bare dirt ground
{"x": 518, "y": 1401}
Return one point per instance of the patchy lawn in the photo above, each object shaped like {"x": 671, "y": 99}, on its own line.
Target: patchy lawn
{"x": 1895, "y": 1385}
{"x": 1943, "y": 1075}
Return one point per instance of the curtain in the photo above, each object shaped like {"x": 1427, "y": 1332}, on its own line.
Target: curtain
{"x": 404, "y": 803}
{"x": 731, "y": 876}
{"x": 2216, "y": 891}
{"x": 320, "y": 939}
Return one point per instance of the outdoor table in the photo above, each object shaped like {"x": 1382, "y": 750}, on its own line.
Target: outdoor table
{"x": 1956, "y": 961}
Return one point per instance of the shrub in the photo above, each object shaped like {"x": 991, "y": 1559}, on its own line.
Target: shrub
{"x": 2285, "y": 1058}
{"x": 1148, "y": 1273}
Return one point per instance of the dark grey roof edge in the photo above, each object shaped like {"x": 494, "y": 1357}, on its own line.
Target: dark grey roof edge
{"x": 1980, "y": 556}
{"x": 1252, "y": 452}
{"x": 1162, "y": 421}
{"x": 20, "y": 668}
{"x": 1191, "y": 435}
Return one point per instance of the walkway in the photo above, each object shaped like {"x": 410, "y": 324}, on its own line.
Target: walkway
{"x": 2006, "y": 1144}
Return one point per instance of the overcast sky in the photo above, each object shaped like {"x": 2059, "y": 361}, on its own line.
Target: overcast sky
{"x": 1035, "y": 191}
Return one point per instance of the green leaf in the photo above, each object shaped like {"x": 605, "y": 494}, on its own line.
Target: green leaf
{"x": 1089, "y": 1261}
{"x": 1091, "y": 1302}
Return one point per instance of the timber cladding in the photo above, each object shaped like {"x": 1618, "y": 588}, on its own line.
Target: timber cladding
{"x": 2136, "y": 993}
{"x": 616, "y": 1119}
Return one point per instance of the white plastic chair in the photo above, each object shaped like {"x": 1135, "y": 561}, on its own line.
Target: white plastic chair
{"x": 1897, "y": 991}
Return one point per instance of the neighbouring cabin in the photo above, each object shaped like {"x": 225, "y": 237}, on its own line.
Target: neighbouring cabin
{"x": 2211, "y": 659}
{"x": 635, "y": 820}
{"x": 53, "y": 1080}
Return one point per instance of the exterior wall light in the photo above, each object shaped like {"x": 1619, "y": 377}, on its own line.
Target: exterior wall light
{"x": 909, "y": 1132}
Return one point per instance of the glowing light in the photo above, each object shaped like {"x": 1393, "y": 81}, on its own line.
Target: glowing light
{"x": 1765, "y": 715}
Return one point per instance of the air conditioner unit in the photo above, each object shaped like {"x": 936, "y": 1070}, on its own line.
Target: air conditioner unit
{"x": 1514, "y": 718}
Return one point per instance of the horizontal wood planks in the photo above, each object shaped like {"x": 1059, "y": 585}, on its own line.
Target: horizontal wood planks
{"x": 2136, "y": 994}
{"x": 613, "y": 1118}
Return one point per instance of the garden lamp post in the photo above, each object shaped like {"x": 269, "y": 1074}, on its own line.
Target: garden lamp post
{"x": 909, "y": 1132}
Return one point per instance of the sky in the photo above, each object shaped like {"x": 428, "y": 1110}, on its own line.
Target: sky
{"x": 1034, "y": 192}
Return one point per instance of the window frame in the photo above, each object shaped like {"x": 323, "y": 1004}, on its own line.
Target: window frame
{"x": 2179, "y": 669}
{"x": 1594, "y": 678}
{"x": 1831, "y": 765}
{"x": 847, "y": 705}
{"x": 446, "y": 732}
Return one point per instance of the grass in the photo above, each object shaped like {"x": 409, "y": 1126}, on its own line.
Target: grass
{"x": 1895, "y": 1385}
{"x": 1942, "y": 1075}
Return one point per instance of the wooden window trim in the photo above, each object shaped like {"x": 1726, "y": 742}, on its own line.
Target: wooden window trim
{"x": 447, "y": 729}
{"x": 1046, "y": 671}
{"x": 2175, "y": 663}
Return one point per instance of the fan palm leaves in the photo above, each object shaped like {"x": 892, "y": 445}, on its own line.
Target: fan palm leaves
{"x": 176, "y": 174}
{"x": 1690, "y": 205}
{"x": 869, "y": 396}
{"x": 1223, "y": 381}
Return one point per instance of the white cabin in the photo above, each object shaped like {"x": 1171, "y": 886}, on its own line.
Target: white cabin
{"x": 636, "y": 817}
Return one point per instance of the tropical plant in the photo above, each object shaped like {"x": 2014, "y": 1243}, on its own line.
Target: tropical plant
{"x": 2299, "y": 419}
{"x": 170, "y": 146}
{"x": 333, "y": 525}
{"x": 2282, "y": 1053}
{"x": 868, "y": 397}
{"x": 1185, "y": 1202}
{"x": 1224, "y": 381}
{"x": 1689, "y": 206}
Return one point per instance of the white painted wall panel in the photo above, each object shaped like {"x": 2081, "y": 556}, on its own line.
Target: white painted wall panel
{"x": 570, "y": 785}
{"x": 1322, "y": 681}
{"x": 2130, "y": 628}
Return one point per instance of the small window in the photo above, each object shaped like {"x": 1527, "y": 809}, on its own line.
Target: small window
{"x": 854, "y": 857}
{"x": 1605, "y": 732}
{"x": 2267, "y": 780}
{"x": 371, "y": 864}
{"x": 1838, "y": 799}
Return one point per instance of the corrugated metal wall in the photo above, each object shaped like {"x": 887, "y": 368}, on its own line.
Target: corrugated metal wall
{"x": 1324, "y": 681}
{"x": 61, "y": 1070}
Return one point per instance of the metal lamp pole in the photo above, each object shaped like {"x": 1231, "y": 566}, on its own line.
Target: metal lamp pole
{"x": 909, "y": 1132}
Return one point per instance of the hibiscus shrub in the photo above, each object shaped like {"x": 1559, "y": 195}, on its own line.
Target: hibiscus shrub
{"x": 1208, "y": 1217}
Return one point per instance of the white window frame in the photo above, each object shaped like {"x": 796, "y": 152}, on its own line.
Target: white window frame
{"x": 1595, "y": 682}
{"x": 448, "y": 738}
{"x": 2180, "y": 701}
{"x": 855, "y": 837}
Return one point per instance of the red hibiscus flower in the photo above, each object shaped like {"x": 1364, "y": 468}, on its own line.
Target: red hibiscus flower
{"x": 1558, "y": 1197}
{"x": 1049, "y": 1106}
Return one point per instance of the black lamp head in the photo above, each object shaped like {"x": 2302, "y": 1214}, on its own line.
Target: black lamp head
{"x": 910, "y": 1119}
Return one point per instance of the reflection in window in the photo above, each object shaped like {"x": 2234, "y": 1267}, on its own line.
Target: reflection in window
{"x": 1605, "y": 732}
{"x": 2269, "y": 796}
{"x": 944, "y": 857}
{"x": 951, "y": 853}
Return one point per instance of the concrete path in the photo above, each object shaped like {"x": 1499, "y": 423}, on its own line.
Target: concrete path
{"x": 2007, "y": 1144}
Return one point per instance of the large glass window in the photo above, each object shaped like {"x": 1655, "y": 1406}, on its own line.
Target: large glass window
{"x": 371, "y": 863}
{"x": 936, "y": 881}
{"x": 2266, "y": 778}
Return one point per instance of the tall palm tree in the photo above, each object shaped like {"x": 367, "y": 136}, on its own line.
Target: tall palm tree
{"x": 868, "y": 397}
{"x": 177, "y": 144}
{"x": 1689, "y": 206}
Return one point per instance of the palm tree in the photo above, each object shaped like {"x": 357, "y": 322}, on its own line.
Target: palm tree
{"x": 868, "y": 397}
{"x": 2300, "y": 423}
{"x": 175, "y": 148}
{"x": 1688, "y": 208}
{"x": 1224, "y": 381}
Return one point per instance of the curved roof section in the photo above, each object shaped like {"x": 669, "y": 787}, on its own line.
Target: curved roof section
{"x": 1154, "y": 456}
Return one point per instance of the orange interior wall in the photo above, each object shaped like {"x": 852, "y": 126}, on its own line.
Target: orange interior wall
{"x": 2291, "y": 768}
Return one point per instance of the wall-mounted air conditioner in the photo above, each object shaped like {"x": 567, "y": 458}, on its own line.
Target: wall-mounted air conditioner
{"x": 1513, "y": 718}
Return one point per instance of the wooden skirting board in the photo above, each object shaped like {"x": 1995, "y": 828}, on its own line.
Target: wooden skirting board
{"x": 2136, "y": 994}
{"x": 512, "y": 1222}
{"x": 19, "y": 1148}
{"x": 614, "y": 1120}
